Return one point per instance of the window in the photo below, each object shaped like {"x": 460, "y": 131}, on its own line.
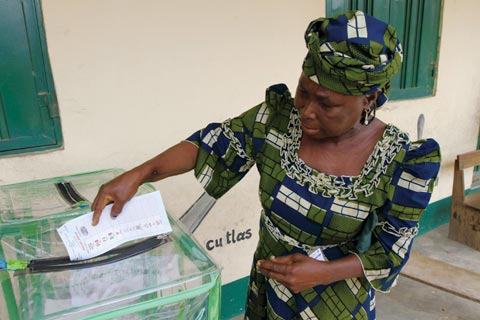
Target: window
{"x": 29, "y": 118}
{"x": 417, "y": 23}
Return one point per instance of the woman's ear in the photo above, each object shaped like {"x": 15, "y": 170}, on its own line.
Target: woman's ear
{"x": 371, "y": 98}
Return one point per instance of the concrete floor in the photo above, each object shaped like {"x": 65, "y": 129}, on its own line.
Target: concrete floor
{"x": 435, "y": 244}
{"x": 415, "y": 300}
{"x": 412, "y": 299}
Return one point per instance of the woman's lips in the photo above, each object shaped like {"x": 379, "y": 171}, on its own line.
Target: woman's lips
{"x": 309, "y": 131}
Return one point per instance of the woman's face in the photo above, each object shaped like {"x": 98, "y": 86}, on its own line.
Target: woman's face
{"x": 325, "y": 113}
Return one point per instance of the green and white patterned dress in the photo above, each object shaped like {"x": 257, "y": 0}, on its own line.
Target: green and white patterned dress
{"x": 304, "y": 209}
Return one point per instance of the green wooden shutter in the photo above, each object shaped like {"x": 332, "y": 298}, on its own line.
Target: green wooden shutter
{"x": 29, "y": 118}
{"x": 417, "y": 23}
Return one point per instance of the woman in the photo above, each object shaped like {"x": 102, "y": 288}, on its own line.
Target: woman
{"x": 342, "y": 192}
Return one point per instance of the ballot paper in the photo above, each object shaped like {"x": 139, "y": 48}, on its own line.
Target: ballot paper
{"x": 319, "y": 255}
{"x": 142, "y": 216}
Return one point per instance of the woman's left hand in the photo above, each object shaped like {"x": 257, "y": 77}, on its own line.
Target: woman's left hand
{"x": 297, "y": 272}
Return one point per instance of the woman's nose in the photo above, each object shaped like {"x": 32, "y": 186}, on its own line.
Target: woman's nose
{"x": 308, "y": 111}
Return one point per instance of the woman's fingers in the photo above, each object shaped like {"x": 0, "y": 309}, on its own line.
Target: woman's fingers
{"x": 117, "y": 191}
{"x": 296, "y": 272}
{"x": 102, "y": 202}
{"x": 98, "y": 205}
{"x": 273, "y": 267}
{"x": 117, "y": 208}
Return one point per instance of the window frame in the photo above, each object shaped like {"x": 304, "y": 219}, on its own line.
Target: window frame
{"x": 47, "y": 135}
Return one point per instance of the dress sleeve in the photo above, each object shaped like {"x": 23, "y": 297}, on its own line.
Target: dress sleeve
{"x": 228, "y": 150}
{"x": 398, "y": 219}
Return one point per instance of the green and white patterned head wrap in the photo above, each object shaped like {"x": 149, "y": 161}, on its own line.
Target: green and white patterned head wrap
{"x": 353, "y": 54}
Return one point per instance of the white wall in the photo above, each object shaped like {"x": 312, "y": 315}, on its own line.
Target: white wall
{"x": 133, "y": 77}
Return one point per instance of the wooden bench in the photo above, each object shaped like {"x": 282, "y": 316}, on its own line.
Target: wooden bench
{"x": 465, "y": 214}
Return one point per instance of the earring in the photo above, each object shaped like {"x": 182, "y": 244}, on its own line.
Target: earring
{"x": 368, "y": 115}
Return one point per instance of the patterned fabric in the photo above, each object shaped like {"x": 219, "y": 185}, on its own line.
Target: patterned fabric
{"x": 353, "y": 54}
{"x": 304, "y": 209}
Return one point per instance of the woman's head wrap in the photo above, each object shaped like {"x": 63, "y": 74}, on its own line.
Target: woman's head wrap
{"x": 352, "y": 54}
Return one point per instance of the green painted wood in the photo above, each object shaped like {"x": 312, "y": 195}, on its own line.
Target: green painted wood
{"x": 437, "y": 214}
{"x": 417, "y": 23}
{"x": 398, "y": 20}
{"x": 410, "y": 46}
{"x": 4, "y": 133}
{"x": 381, "y": 9}
{"x": 411, "y": 93}
{"x": 430, "y": 41}
{"x": 337, "y": 7}
{"x": 234, "y": 296}
{"x": 28, "y": 117}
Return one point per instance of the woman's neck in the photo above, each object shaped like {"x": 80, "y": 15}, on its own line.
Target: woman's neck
{"x": 343, "y": 155}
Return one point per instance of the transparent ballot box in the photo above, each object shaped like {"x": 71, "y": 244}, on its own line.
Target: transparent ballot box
{"x": 174, "y": 280}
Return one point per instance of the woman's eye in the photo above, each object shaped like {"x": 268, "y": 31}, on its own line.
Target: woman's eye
{"x": 329, "y": 105}
{"x": 325, "y": 106}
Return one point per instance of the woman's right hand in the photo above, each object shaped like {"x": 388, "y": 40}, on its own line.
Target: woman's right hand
{"x": 117, "y": 191}
{"x": 176, "y": 160}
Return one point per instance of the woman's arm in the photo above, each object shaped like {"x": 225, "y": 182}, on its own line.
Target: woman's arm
{"x": 176, "y": 160}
